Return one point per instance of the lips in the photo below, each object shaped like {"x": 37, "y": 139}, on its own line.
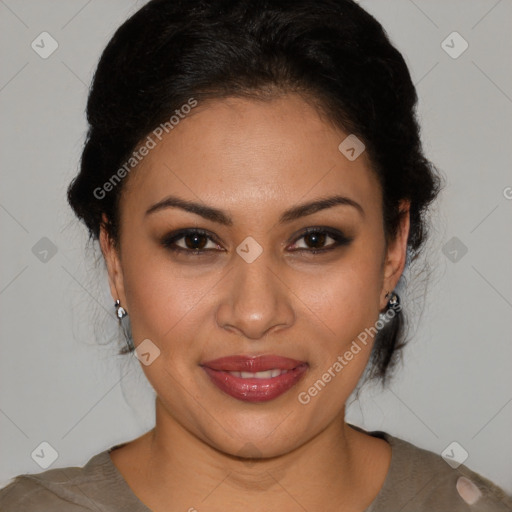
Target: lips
{"x": 255, "y": 379}
{"x": 241, "y": 363}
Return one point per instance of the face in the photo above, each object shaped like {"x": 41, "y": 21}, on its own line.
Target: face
{"x": 253, "y": 263}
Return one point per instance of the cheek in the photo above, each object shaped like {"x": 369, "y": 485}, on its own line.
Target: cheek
{"x": 165, "y": 309}
{"x": 160, "y": 298}
{"x": 344, "y": 298}
{"x": 347, "y": 305}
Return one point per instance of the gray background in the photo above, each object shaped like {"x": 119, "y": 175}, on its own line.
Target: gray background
{"x": 60, "y": 385}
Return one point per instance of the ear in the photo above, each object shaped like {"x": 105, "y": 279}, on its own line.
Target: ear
{"x": 113, "y": 263}
{"x": 396, "y": 253}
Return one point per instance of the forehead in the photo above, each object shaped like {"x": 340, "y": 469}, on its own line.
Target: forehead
{"x": 243, "y": 153}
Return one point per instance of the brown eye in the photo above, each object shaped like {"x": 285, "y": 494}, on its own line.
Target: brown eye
{"x": 318, "y": 240}
{"x": 195, "y": 241}
{"x": 191, "y": 241}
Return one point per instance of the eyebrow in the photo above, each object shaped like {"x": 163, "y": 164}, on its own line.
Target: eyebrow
{"x": 216, "y": 215}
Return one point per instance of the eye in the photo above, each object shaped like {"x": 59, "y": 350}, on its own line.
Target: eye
{"x": 318, "y": 237}
{"x": 196, "y": 241}
{"x": 192, "y": 241}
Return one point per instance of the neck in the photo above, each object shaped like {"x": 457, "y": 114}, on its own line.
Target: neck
{"x": 338, "y": 469}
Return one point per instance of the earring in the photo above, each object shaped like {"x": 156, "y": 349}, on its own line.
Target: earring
{"x": 393, "y": 301}
{"x": 124, "y": 322}
{"x": 120, "y": 311}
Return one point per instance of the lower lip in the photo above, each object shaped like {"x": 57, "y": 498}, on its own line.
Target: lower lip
{"x": 255, "y": 390}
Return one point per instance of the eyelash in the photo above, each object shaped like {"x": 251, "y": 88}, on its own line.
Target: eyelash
{"x": 339, "y": 238}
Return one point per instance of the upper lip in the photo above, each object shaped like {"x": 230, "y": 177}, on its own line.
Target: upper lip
{"x": 253, "y": 364}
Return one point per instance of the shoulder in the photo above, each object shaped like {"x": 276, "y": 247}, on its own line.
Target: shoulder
{"x": 419, "y": 480}
{"x": 69, "y": 489}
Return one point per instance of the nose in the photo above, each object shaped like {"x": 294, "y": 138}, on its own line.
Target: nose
{"x": 256, "y": 300}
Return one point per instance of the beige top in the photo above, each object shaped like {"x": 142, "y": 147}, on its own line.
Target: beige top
{"x": 417, "y": 481}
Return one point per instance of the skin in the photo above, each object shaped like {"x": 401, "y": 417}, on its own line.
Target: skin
{"x": 253, "y": 160}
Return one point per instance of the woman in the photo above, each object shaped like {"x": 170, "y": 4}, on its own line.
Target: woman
{"x": 254, "y": 176}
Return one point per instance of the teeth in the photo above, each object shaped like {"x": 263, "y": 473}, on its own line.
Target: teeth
{"x": 268, "y": 374}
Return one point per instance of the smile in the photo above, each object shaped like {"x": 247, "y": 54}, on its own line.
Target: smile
{"x": 273, "y": 377}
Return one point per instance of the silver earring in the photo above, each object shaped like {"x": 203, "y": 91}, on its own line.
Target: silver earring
{"x": 393, "y": 301}
{"x": 124, "y": 322}
{"x": 120, "y": 311}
